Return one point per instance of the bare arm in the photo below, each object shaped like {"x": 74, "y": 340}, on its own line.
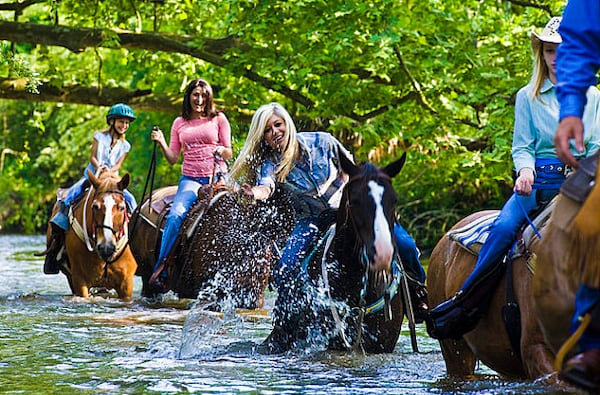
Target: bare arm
{"x": 157, "y": 136}
{"x": 224, "y": 152}
{"x": 117, "y": 165}
{"x": 93, "y": 154}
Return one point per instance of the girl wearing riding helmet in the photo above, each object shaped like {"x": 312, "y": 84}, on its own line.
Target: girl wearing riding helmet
{"x": 109, "y": 150}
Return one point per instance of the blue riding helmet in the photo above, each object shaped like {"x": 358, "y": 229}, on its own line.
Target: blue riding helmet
{"x": 120, "y": 110}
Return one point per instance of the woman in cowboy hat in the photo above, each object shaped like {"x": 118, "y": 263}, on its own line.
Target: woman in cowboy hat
{"x": 535, "y": 160}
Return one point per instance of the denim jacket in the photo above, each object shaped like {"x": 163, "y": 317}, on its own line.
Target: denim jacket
{"x": 315, "y": 183}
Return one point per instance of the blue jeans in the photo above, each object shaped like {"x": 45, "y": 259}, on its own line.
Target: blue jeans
{"x": 502, "y": 234}
{"x": 306, "y": 232}
{"x": 409, "y": 253}
{"x": 586, "y": 300}
{"x": 187, "y": 193}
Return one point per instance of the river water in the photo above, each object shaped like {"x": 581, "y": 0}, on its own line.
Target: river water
{"x": 54, "y": 343}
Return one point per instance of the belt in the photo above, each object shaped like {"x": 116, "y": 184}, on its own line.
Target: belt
{"x": 560, "y": 169}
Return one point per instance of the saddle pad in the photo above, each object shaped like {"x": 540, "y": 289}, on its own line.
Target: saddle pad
{"x": 162, "y": 198}
{"x": 473, "y": 235}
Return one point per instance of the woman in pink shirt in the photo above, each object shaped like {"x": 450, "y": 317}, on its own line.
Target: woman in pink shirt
{"x": 202, "y": 133}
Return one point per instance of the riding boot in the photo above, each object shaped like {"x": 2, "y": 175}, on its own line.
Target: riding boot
{"x": 461, "y": 313}
{"x": 159, "y": 280}
{"x": 51, "y": 261}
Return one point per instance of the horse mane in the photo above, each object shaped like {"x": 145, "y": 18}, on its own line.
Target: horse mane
{"x": 108, "y": 181}
{"x": 368, "y": 171}
{"x": 585, "y": 231}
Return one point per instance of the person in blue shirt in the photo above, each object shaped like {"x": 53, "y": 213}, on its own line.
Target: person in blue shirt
{"x": 578, "y": 61}
{"x": 306, "y": 165}
{"x": 109, "y": 150}
{"x": 535, "y": 161}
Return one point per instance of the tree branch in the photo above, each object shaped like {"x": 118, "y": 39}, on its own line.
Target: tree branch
{"x": 76, "y": 40}
{"x": 143, "y": 100}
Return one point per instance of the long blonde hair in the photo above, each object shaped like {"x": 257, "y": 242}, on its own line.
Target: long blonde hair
{"x": 256, "y": 151}
{"x": 540, "y": 69}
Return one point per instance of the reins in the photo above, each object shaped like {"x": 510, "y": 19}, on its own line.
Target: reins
{"x": 149, "y": 179}
{"x": 540, "y": 187}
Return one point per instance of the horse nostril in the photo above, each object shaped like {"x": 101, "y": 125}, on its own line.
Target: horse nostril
{"x": 106, "y": 250}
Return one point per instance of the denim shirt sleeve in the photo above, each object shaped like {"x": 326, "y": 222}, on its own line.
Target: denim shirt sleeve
{"x": 591, "y": 121}
{"x": 266, "y": 175}
{"x": 578, "y": 57}
{"x": 524, "y": 135}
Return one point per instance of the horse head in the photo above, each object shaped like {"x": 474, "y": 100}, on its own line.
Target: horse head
{"x": 108, "y": 212}
{"x": 368, "y": 205}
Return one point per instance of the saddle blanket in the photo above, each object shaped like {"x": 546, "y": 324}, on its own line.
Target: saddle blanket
{"x": 473, "y": 235}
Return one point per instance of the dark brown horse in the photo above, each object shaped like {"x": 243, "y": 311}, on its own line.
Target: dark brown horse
{"x": 449, "y": 266}
{"x": 96, "y": 243}
{"x": 226, "y": 247}
{"x": 348, "y": 294}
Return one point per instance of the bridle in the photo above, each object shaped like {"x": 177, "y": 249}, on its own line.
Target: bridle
{"x": 118, "y": 234}
{"x": 90, "y": 242}
{"x": 362, "y": 310}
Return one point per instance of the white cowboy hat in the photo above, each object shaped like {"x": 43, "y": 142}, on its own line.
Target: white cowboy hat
{"x": 549, "y": 34}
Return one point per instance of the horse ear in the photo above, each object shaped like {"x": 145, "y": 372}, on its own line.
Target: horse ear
{"x": 93, "y": 179}
{"x": 347, "y": 165}
{"x": 394, "y": 168}
{"x": 124, "y": 182}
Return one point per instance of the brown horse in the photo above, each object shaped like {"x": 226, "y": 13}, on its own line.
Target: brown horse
{"x": 449, "y": 266}
{"x": 348, "y": 293}
{"x": 225, "y": 249}
{"x": 569, "y": 254}
{"x": 96, "y": 243}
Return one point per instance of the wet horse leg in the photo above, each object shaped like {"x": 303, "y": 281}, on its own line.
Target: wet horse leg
{"x": 460, "y": 360}
{"x": 124, "y": 286}
{"x": 535, "y": 353}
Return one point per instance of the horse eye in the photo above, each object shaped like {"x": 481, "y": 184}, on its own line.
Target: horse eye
{"x": 95, "y": 206}
{"x": 121, "y": 206}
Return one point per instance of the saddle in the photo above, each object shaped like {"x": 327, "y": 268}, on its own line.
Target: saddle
{"x": 578, "y": 186}
{"x": 472, "y": 236}
{"x": 155, "y": 211}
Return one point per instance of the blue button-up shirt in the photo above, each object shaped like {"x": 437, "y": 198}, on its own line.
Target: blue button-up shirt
{"x": 536, "y": 122}
{"x": 315, "y": 183}
{"x": 578, "y": 57}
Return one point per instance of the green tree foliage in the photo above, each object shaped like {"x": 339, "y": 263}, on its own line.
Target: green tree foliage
{"x": 434, "y": 78}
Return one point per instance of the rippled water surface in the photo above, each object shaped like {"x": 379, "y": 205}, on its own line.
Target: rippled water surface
{"x": 53, "y": 343}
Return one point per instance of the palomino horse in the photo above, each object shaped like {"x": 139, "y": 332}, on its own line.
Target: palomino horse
{"x": 96, "y": 243}
{"x": 449, "y": 266}
{"x": 347, "y": 294}
{"x": 569, "y": 254}
{"x": 225, "y": 249}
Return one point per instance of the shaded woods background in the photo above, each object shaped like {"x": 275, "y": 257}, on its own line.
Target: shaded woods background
{"x": 436, "y": 79}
